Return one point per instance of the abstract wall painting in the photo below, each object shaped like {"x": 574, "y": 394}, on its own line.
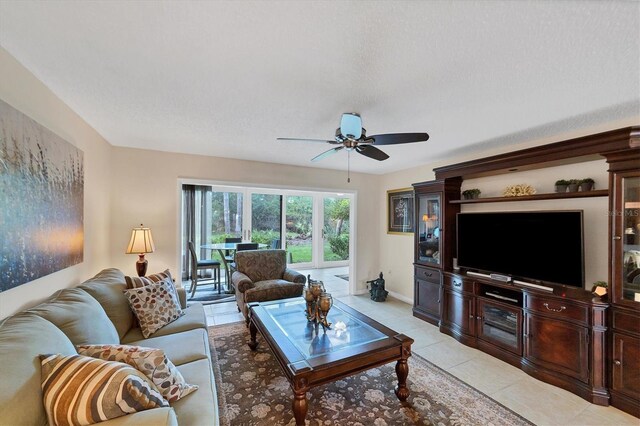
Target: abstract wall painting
{"x": 41, "y": 200}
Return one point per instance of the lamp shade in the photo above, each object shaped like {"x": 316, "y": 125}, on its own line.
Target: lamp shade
{"x": 141, "y": 241}
{"x": 425, "y": 217}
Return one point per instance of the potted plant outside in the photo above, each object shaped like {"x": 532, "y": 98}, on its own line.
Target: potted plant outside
{"x": 573, "y": 185}
{"x": 561, "y": 185}
{"x": 471, "y": 194}
{"x": 586, "y": 184}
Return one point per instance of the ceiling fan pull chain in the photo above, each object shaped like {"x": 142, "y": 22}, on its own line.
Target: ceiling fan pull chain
{"x": 348, "y": 166}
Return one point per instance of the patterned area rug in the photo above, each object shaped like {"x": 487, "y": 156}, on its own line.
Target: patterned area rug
{"x": 253, "y": 391}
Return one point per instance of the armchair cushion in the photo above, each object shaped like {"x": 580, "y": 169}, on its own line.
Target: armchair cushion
{"x": 272, "y": 290}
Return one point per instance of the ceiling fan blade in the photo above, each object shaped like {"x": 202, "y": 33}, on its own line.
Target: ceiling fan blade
{"x": 372, "y": 152}
{"x": 327, "y": 153}
{"x": 308, "y": 140}
{"x": 396, "y": 138}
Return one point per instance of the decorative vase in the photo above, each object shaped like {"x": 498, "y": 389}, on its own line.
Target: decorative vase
{"x": 573, "y": 187}
{"x": 561, "y": 188}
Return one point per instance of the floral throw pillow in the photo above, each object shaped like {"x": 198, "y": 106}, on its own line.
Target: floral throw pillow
{"x": 155, "y": 305}
{"x": 80, "y": 390}
{"x": 150, "y": 361}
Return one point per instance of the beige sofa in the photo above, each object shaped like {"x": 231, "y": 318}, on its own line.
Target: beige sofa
{"x": 97, "y": 312}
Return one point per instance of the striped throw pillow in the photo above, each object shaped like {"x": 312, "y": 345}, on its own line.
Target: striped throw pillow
{"x": 80, "y": 390}
{"x": 135, "y": 282}
{"x": 150, "y": 361}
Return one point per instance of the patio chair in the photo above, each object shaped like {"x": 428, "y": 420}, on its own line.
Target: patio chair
{"x": 198, "y": 265}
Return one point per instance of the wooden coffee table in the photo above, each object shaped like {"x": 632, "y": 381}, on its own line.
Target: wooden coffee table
{"x": 310, "y": 357}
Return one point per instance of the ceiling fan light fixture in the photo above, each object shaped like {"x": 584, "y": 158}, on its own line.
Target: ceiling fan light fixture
{"x": 351, "y": 125}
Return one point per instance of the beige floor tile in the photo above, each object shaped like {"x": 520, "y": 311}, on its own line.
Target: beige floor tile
{"x": 220, "y": 319}
{"x": 541, "y": 403}
{"x": 447, "y": 353}
{"x": 487, "y": 374}
{"x": 596, "y": 415}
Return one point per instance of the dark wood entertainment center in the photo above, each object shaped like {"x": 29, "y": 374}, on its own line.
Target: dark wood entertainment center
{"x": 562, "y": 335}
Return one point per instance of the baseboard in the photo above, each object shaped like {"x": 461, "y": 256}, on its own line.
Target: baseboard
{"x": 361, "y": 291}
{"x": 400, "y": 297}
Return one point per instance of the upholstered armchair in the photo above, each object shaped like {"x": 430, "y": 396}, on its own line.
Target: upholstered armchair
{"x": 262, "y": 275}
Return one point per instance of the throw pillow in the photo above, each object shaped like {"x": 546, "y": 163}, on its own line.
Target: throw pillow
{"x": 155, "y": 305}
{"x": 135, "y": 282}
{"x": 80, "y": 390}
{"x": 150, "y": 361}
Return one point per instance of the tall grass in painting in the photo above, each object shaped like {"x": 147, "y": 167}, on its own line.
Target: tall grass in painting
{"x": 41, "y": 200}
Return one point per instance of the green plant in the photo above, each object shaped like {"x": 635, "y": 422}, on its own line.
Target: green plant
{"x": 587, "y": 180}
{"x": 471, "y": 192}
{"x": 601, "y": 284}
{"x": 574, "y": 182}
{"x": 562, "y": 182}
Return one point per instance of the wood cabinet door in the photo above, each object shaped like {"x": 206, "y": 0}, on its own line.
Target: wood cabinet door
{"x": 427, "y": 297}
{"x": 499, "y": 324}
{"x": 458, "y": 312}
{"x": 626, "y": 365}
{"x": 557, "y": 345}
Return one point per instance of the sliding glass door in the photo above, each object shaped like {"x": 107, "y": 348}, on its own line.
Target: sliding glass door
{"x": 313, "y": 227}
{"x": 336, "y": 214}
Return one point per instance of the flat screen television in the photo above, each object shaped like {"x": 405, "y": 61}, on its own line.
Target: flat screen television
{"x": 543, "y": 246}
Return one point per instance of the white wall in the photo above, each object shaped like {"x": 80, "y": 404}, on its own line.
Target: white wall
{"x": 396, "y": 252}
{"x": 23, "y": 91}
{"x": 145, "y": 190}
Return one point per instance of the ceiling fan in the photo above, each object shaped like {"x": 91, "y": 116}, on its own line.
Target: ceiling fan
{"x": 352, "y": 136}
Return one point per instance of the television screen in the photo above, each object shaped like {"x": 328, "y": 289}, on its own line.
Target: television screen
{"x": 541, "y": 246}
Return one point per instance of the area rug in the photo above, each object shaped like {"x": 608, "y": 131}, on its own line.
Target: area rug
{"x": 344, "y": 277}
{"x": 253, "y": 391}
{"x": 207, "y": 293}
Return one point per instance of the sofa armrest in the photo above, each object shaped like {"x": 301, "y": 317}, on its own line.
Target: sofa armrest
{"x": 241, "y": 282}
{"x": 294, "y": 276}
{"x": 182, "y": 296}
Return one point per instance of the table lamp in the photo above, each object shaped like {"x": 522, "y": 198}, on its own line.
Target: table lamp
{"x": 141, "y": 242}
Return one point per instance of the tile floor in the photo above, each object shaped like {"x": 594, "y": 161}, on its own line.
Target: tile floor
{"x": 537, "y": 401}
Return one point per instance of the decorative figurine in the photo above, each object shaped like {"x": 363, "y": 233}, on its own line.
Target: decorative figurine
{"x": 318, "y": 303}
{"x": 377, "y": 291}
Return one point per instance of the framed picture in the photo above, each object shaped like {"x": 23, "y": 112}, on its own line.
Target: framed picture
{"x": 400, "y": 211}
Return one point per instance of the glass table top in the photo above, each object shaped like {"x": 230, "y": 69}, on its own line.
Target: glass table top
{"x": 311, "y": 340}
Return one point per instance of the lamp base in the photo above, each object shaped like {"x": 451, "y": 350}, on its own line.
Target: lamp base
{"x": 141, "y": 265}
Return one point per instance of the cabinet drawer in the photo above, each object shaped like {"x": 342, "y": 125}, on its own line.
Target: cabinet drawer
{"x": 626, "y": 321}
{"x": 457, "y": 283}
{"x": 557, "y": 308}
{"x": 428, "y": 274}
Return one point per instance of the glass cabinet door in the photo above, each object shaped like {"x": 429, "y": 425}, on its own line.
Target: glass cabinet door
{"x": 630, "y": 216}
{"x": 428, "y": 228}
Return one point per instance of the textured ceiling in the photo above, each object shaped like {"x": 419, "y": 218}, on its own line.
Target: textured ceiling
{"x": 227, "y": 78}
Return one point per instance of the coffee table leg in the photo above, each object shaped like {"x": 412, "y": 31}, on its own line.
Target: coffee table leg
{"x": 402, "y": 371}
{"x": 253, "y": 344}
{"x": 300, "y": 406}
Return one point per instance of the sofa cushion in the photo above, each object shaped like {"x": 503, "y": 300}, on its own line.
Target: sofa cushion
{"x": 180, "y": 348}
{"x": 79, "y": 316}
{"x": 80, "y": 390}
{"x": 155, "y": 305}
{"x": 165, "y": 416}
{"x": 197, "y": 408}
{"x": 23, "y": 338}
{"x": 107, "y": 287}
{"x": 261, "y": 265}
{"x": 152, "y": 362}
{"x": 194, "y": 317}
